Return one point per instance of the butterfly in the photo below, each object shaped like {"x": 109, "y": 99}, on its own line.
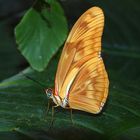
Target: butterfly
{"x": 81, "y": 80}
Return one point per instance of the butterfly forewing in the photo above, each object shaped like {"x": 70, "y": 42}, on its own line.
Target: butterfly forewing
{"x": 81, "y": 75}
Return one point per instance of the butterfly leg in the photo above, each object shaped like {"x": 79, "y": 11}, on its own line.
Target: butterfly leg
{"x": 71, "y": 116}
{"x": 52, "y": 119}
{"x": 48, "y": 107}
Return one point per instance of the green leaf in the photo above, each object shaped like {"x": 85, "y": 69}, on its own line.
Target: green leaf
{"x": 41, "y": 32}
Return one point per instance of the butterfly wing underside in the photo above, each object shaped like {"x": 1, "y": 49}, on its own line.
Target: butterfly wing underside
{"x": 81, "y": 75}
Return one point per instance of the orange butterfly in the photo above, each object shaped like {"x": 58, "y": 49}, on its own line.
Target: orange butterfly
{"x": 81, "y": 80}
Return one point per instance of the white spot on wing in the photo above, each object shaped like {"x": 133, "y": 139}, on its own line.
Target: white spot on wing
{"x": 101, "y": 106}
{"x": 99, "y": 55}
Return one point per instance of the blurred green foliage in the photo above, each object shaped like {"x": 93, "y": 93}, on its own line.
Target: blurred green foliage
{"x": 41, "y": 32}
{"x": 23, "y": 102}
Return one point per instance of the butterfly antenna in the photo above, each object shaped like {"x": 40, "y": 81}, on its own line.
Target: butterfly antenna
{"x": 34, "y": 80}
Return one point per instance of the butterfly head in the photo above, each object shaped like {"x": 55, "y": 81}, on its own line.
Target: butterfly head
{"x": 49, "y": 93}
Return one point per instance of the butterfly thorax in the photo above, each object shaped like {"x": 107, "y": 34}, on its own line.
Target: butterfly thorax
{"x": 60, "y": 102}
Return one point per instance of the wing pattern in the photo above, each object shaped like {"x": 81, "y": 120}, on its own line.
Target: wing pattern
{"x": 81, "y": 74}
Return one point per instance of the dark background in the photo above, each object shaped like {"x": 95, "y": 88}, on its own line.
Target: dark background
{"x": 11, "y": 60}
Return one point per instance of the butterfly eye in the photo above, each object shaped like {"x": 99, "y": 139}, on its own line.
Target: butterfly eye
{"x": 49, "y": 93}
